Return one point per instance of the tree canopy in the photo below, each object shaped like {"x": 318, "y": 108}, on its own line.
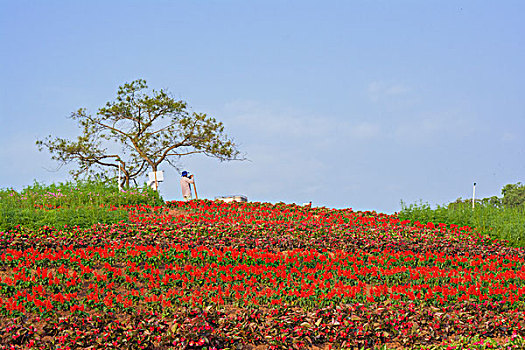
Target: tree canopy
{"x": 513, "y": 195}
{"x": 138, "y": 131}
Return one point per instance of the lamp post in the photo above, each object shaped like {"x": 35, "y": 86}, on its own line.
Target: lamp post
{"x": 473, "y": 195}
{"x": 119, "y": 182}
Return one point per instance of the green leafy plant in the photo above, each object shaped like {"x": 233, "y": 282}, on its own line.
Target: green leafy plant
{"x": 498, "y": 218}
{"x": 81, "y": 203}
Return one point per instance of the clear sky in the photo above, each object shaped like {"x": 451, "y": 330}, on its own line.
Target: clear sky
{"x": 354, "y": 104}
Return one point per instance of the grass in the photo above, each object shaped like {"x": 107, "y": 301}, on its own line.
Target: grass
{"x": 504, "y": 223}
{"x": 79, "y": 204}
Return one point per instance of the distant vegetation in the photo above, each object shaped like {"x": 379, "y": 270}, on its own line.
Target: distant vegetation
{"x": 500, "y": 217}
{"x": 79, "y": 204}
{"x": 85, "y": 203}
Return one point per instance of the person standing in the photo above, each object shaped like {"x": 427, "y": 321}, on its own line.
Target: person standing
{"x": 185, "y": 185}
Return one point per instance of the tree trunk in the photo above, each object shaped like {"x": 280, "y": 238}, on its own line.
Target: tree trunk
{"x": 125, "y": 181}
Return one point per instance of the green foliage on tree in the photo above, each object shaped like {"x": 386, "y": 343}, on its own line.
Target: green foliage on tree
{"x": 139, "y": 130}
{"x": 513, "y": 195}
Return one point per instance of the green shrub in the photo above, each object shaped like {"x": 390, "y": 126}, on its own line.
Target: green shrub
{"x": 81, "y": 217}
{"x": 80, "y": 203}
{"x": 504, "y": 223}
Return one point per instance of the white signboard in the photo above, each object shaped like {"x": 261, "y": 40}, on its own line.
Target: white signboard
{"x": 159, "y": 176}
{"x": 154, "y": 178}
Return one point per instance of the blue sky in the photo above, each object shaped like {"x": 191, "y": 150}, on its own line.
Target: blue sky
{"x": 354, "y": 104}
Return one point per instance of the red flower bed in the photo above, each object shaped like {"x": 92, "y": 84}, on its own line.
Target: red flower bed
{"x": 215, "y": 275}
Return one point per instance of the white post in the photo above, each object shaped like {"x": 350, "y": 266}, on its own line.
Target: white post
{"x": 119, "y": 185}
{"x": 473, "y": 195}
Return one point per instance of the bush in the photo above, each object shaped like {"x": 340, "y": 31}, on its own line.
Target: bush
{"x": 80, "y": 204}
{"x": 504, "y": 223}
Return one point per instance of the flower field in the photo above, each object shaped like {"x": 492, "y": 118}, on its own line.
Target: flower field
{"x": 211, "y": 275}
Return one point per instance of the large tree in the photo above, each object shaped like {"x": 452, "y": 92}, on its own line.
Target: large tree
{"x": 138, "y": 131}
